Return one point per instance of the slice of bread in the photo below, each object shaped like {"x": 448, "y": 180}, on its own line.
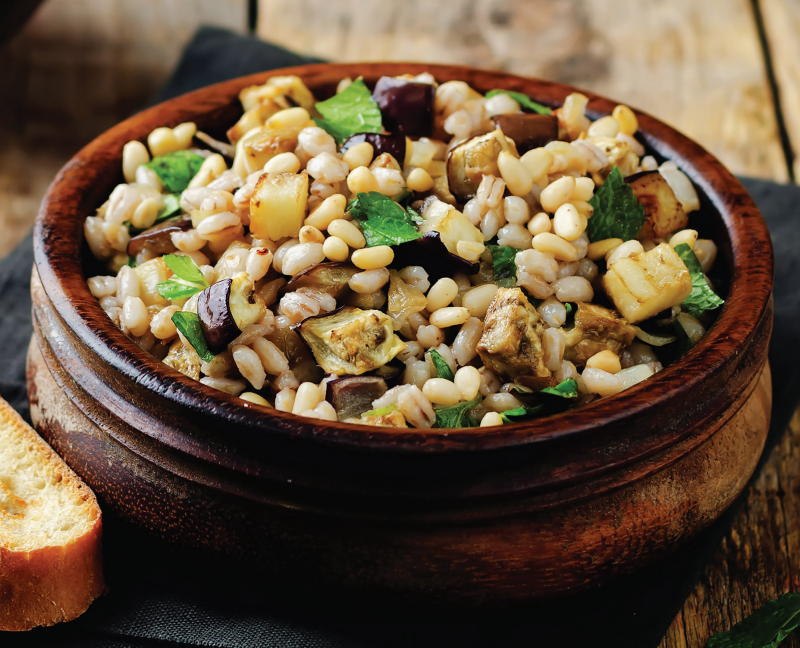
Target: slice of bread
{"x": 50, "y": 532}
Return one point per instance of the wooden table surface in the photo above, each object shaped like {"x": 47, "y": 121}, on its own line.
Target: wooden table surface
{"x": 725, "y": 72}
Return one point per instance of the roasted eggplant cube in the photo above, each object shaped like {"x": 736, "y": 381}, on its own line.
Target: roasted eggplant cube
{"x": 596, "y": 329}
{"x": 468, "y": 162}
{"x": 511, "y": 343}
{"x": 158, "y": 239}
{"x": 665, "y": 213}
{"x": 353, "y": 395}
{"x": 528, "y": 131}
{"x": 351, "y": 341}
{"x": 278, "y": 205}
{"x": 406, "y": 106}
{"x": 392, "y": 419}
{"x": 451, "y": 224}
{"x": 182, "y": 357}
{"x": 642, "y": 285}
{"x": 332, "y": 278}
{"x": 226, "y": 308}
{"x": 393, "y": 144}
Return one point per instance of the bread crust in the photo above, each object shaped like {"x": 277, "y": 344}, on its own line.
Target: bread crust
{"x": 50, "y": 584}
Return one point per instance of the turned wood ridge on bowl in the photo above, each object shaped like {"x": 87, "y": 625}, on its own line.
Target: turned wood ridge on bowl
{"x": 485, "y": 515}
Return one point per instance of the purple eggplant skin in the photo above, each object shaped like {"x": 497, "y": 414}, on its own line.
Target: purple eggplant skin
{"x": 353, "y": 395}
{"x": 158, "y": 238}
{"x": 406, "y": 106}
{"x": 394, "y": 144}
{"x": 432, "y": 254}
{"x": 528, "y": 131}
{"x": 216, "y": 319}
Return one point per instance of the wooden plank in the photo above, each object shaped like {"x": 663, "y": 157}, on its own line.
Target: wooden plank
{"x": 697, "y": 65}
{"x": 758, "y": 560}
{"x": 77, "y": 68}
{"x": 782, "y": 27}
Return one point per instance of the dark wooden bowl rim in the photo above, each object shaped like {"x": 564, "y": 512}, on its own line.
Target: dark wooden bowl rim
{"x": 86, "y": 180}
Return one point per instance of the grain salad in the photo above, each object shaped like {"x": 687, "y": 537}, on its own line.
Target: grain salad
{"x": 415, "y": 254}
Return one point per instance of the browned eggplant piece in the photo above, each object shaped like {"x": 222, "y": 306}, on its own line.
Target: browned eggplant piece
{"x": 301, "y": 362}
{"x": 528, "y": 131}
{"x": 430, "y": 252}
{"x": 393, "y": 144}
{"x": 353, "y": 395}
{"x": 330, "y": 277}
{"x": 596, "y": 329}
{"x": 391, "y": 372}
{"x": 158, "y": 239}
{"x": 468, "y": 162}
{"x": 406, "y": 106}
{"x": 664, "y": 211}
{"x": 351, "y": 341}
{"x": 226, "y": 308}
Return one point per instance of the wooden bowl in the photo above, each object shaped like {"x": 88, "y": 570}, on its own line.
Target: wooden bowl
{"x": 525, "y": 511}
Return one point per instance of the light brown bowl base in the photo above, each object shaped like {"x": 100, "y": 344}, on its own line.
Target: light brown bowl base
{"x": 528, "y": 555}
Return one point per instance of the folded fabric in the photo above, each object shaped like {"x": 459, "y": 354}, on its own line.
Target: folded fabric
{"x": 158, "y": 597}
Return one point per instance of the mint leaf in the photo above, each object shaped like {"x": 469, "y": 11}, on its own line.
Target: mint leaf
{"x": 382, "y": 411}
{"x": 172, "y": 204}
{"x": 765, "y": 628}
{"x": 457, "y": 416}
{"x": 415, "y": 216}
{"x": 351, "y": 111}
{"x": 176, "y": 289}
{"x": 550, "y": 400}
{"x": 189, "y": 324}
{"x": 702, "y": 298}
{"x": 131, "y": 261}
{"x": 185, "y": 268}
{"x": 443, "y": 369}
{"x": 504, "y": 265}
{"x": 176, "y": 169}
{"x": 383, "y": 221}
{"x": 617, "y": 211}
{"x": 523, "y": 100}
{"x": 190, "y": 279}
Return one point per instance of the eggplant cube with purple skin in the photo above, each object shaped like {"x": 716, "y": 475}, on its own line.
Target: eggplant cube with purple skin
{"x": 226, "y": 308}
{"x": 351, "y": 341}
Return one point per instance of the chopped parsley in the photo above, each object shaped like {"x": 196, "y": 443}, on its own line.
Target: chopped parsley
{"x": 617, "y": 211}
{"x": 702, "y": 298}
{"x": 382, "y": 220}
{"x": 443, "y": 369}
{"x": 550, "y": 400}
{"x": 189, "y": 324}
{"x": 457, "y": 416}
{"x": 172, "y": 204}
{"x": 504, "y": 265}
{"x": 175, "y": 170}
{"x": 351, "y": 111}
{"x": 381, "y": 411}
{"x": 523, "y": 100}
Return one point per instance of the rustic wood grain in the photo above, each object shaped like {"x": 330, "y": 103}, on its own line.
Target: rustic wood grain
{"x": 758, "y": 560}
{"x": 782, "y": 26}
{"x": 78, "y": 68}
{"x": 696, "y": 65}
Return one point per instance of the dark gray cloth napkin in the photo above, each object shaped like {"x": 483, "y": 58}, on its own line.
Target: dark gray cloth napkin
{"x": 159, "y": 597}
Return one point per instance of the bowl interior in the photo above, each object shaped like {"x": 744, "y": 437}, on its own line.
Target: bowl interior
{"x": 728, "y": 216}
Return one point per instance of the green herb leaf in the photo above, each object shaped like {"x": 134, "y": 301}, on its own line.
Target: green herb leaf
{"x": 381, "y": 411}
{"x": 190, "y": 279}
{"x": 383, "y": 221}
{"x": 185, "y": 269}
{"x": 415, "y": 216}
{"x": 351, "y": 111}
{"x": 617, "y": 211}
{"x": 550, "y": 400}
{"x": 457, "y": 416}
{"x": 523, "y": 100}
{"x": 172, "y": 204}
{"x": 443, "y": 369}
{"x": 702, "y": 298}
{"x": 176, "y": 289}
{"x": 765, "y": 628}
{"x": 504, "y": 265}
{"x": 131, "y": 261}
{"x": 189, "y": 324}
{"x": 176, "y": 169}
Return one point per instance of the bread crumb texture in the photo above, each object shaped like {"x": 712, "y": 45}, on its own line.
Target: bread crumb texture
{"x": 50, "y": 532}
